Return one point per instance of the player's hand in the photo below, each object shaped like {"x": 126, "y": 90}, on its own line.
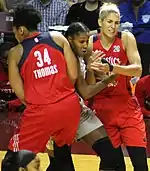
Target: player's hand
{"x": 94, "y": 58}
{"x": 20, "y": 108}
{"x": 147, "y": 103}
{"x": 99, "y": 67}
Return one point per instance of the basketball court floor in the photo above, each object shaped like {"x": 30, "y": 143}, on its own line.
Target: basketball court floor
{"x": 81, "y": 162}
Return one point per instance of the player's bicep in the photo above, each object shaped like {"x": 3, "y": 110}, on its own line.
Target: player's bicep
{"x": 71, "y": 61}
{"x": 14, "y": 76}
{"x": 81, "y": 85}
{"x": 131, "y": 50}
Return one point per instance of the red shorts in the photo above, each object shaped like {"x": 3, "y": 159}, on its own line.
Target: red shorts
{"x": 40, "y": 122}
{"x": 124, "y": 122}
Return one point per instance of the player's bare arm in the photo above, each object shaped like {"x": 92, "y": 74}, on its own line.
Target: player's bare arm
{"x": 90, "y": 76}
{"x": 69, "y": 55}
{"x": 88, "y": 91}
{"x": 15, "y": 79}
{"x": 134, "y": 68}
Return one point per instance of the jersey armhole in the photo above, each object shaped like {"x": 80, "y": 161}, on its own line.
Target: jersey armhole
{"x": 53, "y": 43}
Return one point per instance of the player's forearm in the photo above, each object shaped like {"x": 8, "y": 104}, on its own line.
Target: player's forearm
{"x": 18, "y": 89}
{"x": 130, "y": 70}
{"x": 90, "y": 77}
{"x": 20, "y": 95}
{"x": 92, "y": 90}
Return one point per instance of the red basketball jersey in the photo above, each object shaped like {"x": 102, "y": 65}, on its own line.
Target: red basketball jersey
{"x": 115, "y": 55}
{"x": 44, "y": 70}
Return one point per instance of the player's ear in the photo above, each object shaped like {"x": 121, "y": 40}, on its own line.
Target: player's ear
{"x": 99, "y": 22}
{"x": 69, "y": 39}
{"x": 21, "y": 30}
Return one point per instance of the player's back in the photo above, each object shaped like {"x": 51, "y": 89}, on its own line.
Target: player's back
{"x": 44, "y": 70}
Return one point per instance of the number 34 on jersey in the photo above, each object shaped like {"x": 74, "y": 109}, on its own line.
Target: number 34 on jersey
{"x": 41, "y": 61}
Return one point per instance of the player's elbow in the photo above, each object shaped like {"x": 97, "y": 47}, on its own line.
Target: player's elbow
{"x": 86, "y": 95}
{"x": 138, "y": 71}
{"x": 73, "y": 77}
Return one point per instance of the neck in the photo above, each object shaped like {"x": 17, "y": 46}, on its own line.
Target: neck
{"x": 106, "y": 41}
{"x": 31, "y": 34}
{"x": 91, "y": 6}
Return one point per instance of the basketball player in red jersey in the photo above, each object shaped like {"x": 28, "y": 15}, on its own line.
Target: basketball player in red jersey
{"x": 42, "y": 72}
{"x": 118, "y": 110}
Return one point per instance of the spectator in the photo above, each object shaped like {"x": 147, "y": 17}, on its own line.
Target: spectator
{"x": 53, "y": 12}
{"x": 13, "y": 3}
{"x": 136, "y": 17}
{"x": 2, "y": 6}
{"x": 142, "y": 92}
{"x": 86, "y": 12}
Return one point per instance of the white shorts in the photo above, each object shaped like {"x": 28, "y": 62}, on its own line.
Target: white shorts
{"x": 88, "y": 122}
{"x": 88, "y": 126}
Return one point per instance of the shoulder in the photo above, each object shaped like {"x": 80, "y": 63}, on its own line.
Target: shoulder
{"x": 15, "y": 53}
{"x": 56, "y": 34}
{"x": 127, "y": 37}
{"x": 58, "y": 38}
{"x": 16, "y": 48}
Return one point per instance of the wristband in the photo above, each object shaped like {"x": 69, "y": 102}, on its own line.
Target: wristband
{"x": 104, "y": 61}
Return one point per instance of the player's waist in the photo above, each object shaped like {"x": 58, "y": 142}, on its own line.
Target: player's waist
{"x": 113, "y": 95}
{"x": 46, "y": 100}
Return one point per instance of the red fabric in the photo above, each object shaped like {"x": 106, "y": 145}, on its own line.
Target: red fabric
{"x": 45, "y": 82}
{"x": 115, "y": 107}
{"x": 123, "y": 126}
{"x": 61, "y": 123}
{"x": 142, "y": 90}
{"x": 115, "y": 55}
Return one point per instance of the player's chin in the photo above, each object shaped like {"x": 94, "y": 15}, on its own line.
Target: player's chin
{"x": 83, "y": 53}
{"x": 111, "y": 35}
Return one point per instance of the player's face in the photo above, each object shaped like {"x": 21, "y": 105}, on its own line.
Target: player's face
{"x": 110, "y": 24}
{"x": 79, "y": 44}
{"x": 34, "y": 165}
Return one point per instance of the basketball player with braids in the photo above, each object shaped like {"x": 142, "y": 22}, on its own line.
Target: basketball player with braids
{"x": 115, "y": 106}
